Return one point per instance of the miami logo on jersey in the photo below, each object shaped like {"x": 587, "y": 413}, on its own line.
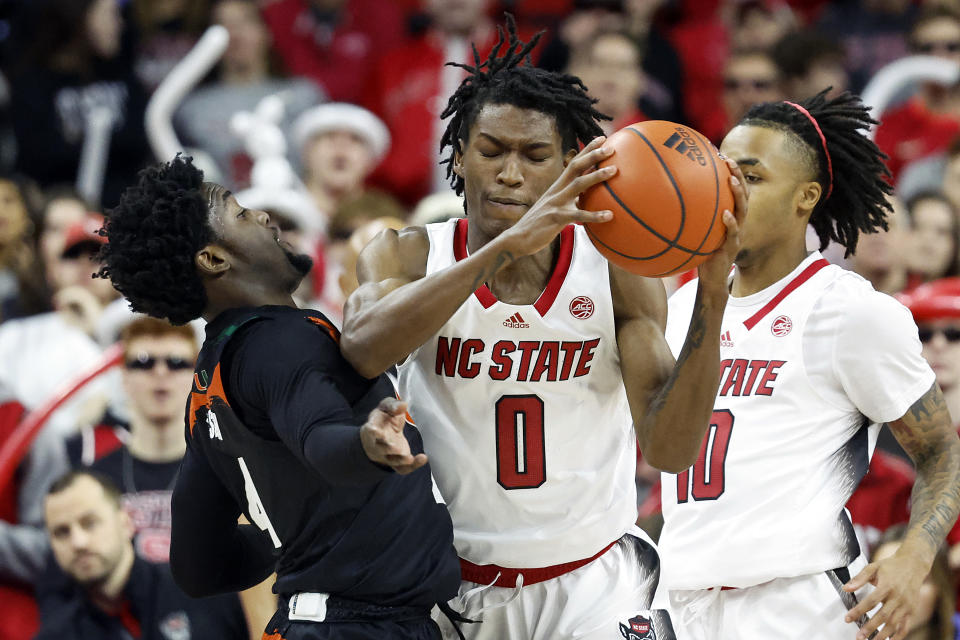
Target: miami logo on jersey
{"x": 638, "y": 628}
{"x": 546, "y": 360}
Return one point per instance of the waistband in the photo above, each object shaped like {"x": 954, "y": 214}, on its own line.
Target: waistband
{"x": 322, "y": 607}
{"x": 507, "y": 576}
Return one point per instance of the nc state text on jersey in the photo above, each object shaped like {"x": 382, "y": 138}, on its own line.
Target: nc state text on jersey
{"x": 737, "y": 382}
{"x": 539, "y": 361}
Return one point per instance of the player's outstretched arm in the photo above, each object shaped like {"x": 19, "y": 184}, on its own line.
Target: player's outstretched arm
{"x": 927, "y": 434}
{"x": 671, "y": 401}
{"x": 396, "y": 308}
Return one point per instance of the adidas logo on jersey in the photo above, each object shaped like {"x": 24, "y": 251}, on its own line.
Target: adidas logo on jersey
{"x": 725, "y": 339}
{"x": 516, "y": 322}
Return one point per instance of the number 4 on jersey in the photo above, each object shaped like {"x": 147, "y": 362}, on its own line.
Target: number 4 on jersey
{"x": 708, "y": 470}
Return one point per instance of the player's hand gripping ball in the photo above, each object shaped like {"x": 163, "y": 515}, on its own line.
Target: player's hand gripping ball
{"x": 667, "y": 198}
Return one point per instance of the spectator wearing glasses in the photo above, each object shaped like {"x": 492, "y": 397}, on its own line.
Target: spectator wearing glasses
{"x": 927, "y": 122}
{"x": 157, "y": 372}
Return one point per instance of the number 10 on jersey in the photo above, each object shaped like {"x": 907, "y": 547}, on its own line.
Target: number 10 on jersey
{"x": 708, "y": 470}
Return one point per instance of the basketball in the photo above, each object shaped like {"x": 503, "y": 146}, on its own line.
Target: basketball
{"x": 667, "y": 198}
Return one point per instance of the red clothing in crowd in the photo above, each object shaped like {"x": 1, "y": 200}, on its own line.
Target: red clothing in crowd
{"x": 407, "y": 93}
{"x": 19, "y": 619}
{"x": 339, "y": 58}
{"x": 911, "y": 131}
{"x": 883, "y": 497}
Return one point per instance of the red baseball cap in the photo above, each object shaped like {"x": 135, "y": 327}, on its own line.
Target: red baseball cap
{"x": 83, "y": 234}
{"x": 936, "y": 300}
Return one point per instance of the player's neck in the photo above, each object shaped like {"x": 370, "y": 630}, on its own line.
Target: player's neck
{"x": 237, "y": 297}
{"x": 152, "y": 441}
{"x": 522, "y": 281}
{"x": 758, "y": 270}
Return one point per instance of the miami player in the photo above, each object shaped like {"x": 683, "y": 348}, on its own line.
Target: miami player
{"x": 279, "y": 427}
{"x": 756, "y": 542}
{"x": 526, "y": 357}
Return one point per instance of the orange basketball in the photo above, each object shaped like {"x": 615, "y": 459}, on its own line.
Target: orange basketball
{"x": 667, "y": 199}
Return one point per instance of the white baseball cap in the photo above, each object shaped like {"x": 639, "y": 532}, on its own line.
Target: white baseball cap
{"x": 339, "y": 116}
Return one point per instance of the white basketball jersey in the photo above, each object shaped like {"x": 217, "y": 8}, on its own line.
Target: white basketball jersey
{"x": 810, "y": 365}
{"x": 524, "y": 415}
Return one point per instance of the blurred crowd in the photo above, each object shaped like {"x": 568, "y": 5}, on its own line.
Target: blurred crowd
{"x": 326, "y": 113}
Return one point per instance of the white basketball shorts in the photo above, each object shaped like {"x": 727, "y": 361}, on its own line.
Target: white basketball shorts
{"x": 801, "y": 608}
{"x": 607, "y": 599}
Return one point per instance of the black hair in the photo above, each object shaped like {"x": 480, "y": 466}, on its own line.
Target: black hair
{"x": 858, "y": 201}
{"x": 153, "y": 235}
{"x": 65, "y": 481}
{"x": 505, "y": 80}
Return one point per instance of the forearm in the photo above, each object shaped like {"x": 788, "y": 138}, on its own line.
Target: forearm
{"x": 379, "y": 333}
{"x": 336, "y": 454}
{"x": 671, "y": 430}
{"x": 935, "y": 501}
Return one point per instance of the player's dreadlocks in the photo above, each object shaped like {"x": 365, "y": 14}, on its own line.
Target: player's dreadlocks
{"x": 848, "y": 165}
{"x": 154, "y": 234}
{"x": 502, "y": 80}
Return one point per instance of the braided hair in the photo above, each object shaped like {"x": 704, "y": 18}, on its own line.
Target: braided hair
{"x": 848, "y": 165}
{"x": 153, "y": 235}
{"x": 503, "y": 79}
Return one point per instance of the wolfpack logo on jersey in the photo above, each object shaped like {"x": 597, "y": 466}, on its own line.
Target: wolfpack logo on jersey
{"x": 802, "y": 386}
{"x": 638, "y": 628}
{"x": 527, "y": 427}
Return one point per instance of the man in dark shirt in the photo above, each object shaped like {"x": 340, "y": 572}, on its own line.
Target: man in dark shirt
{"x": 318, "y": 458}
{"x": 106, "y": 591}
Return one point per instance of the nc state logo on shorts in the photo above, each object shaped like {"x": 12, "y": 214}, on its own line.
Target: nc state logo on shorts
{"x": 782, "y": 325}
{"x": 581, "y": 307}
{"x": 638, "y": 628}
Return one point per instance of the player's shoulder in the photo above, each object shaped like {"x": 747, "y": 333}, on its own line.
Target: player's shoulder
{"x": 849, "y": 291}
{"x": 851, "y": 298}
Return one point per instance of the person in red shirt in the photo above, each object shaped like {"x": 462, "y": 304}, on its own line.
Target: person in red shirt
{"x": 411, "y": 88}
{"x": 930, "y": 120}
{"x": 336, "y": 43}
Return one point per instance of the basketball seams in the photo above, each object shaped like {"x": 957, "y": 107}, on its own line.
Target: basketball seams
{"x": 716, "y": 203}
{"x": 696, "y": 236}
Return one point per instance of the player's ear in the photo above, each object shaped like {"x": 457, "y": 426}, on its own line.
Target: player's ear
{"x": 808, "y": 195}
{"x": 458, "y": 160}
{"x": 212, "y": 261}
{"x": 568, "y": 156}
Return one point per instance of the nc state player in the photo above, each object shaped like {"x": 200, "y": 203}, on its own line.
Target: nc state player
{"x": 812, "y": 362}
{"x": 528, "y": 361}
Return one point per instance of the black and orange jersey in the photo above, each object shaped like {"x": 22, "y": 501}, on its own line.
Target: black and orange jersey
{"x": 273, "y": 431}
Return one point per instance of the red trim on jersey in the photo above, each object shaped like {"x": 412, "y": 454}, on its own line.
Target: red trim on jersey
{"x": 484, "y": 295}
{"x": 487, "y": 573}
{"x": 564, "y": 256}
{"x": 549, "y": 295}
{"x": 804, "y": 275}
